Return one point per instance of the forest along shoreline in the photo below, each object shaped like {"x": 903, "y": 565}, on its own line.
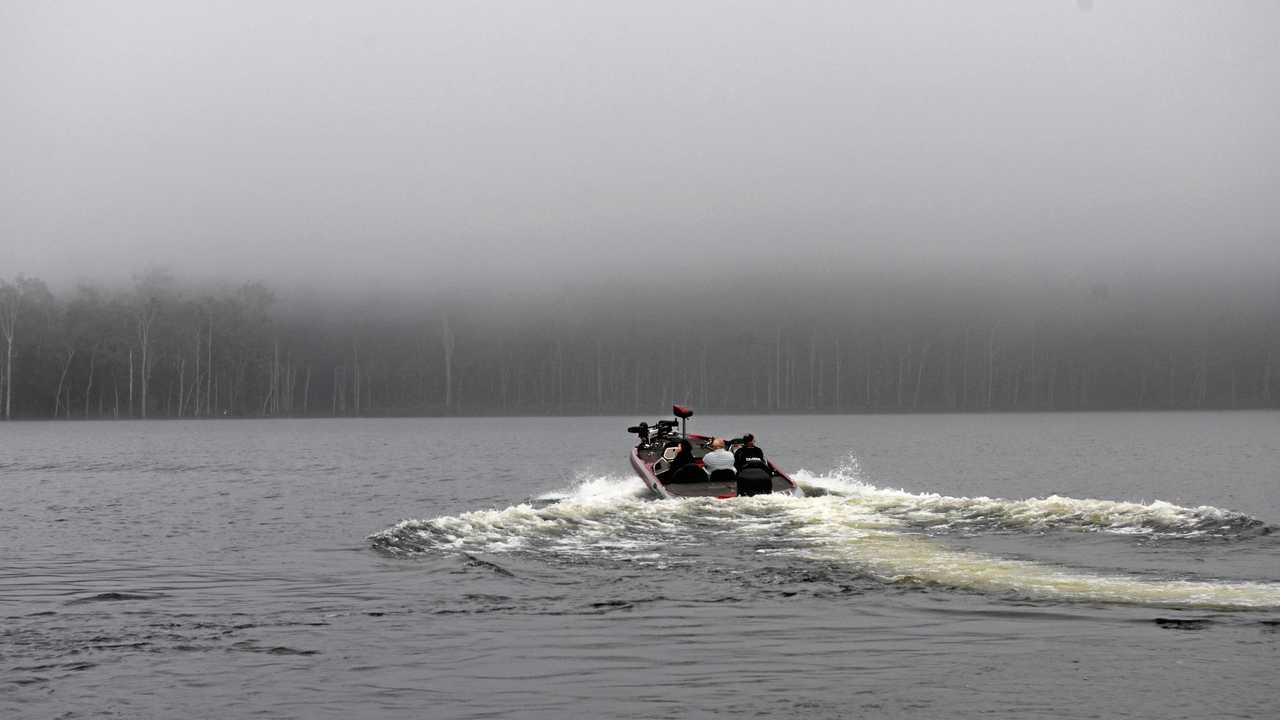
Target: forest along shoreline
{"x": 162, "y": 349}
{"x": 376, "y": 415}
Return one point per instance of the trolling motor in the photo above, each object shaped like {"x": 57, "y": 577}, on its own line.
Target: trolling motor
{"x": 653, "y": 432}
{"x": 642, "y": 430}
{"x": 661, "y": 429}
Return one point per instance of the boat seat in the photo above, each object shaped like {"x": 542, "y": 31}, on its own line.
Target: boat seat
{"x": 689, "y": 474}
{"x": 724, "y": 475}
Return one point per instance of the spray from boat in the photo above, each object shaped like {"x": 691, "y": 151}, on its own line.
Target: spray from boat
{"x": 882, "y": 533}
{"x": 1055, "y": 512}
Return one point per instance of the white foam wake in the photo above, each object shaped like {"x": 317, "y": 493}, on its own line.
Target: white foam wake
{"x": 598, "y": 488}
{"x": 857, "y": 525}
{"x": 838, "y": 531}
{"x": 1052, "y": 512}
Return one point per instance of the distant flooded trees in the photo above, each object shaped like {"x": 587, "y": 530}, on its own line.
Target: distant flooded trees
{"x": 161, "y": 350}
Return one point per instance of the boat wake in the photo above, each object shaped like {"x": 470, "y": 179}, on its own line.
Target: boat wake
{"x": 888, "y": 535}
{"x": 942, "y": 512}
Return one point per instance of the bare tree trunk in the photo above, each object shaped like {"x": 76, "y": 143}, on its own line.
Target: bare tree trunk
{"x": 8, "y": 377}
{"x": 1035, "y": 371}
{"x": 8, "y": 325}
{"x": 306, "y": 392}
{"x": 275, "y": 376}
{"x": 559, "y": 375}
{"x": 948, "y": 391}
{"x": 991, "y": 345}
{"x": 1018, "y": 374}
{"x": 835, "y": 391}
{"x": 144, "y": 318}
{"x": 355, "y": 375}
{"x": 1266, "y": 380}
{"x": 813, "y": 363}
{"x": 902, "y": 369}
{"x": 182, "y": 385}
{"x": 192, "y": 392}
{"x": 702, "y": 373}
{"x": 367, "y": 384}
{"x": 291, "y": 385}
{"x": 195, "y": 377}
{"x": 88, "y": 387}
{"x": 1053, "y": 387}
{"x": 755, "y": 386}
{"x": 57, "y": 395}
{"x": 447, "y": 341}
{"x": 924, "y": 352}
{"x": 599, "y": 380}
{"x": 769, "y": 391}
{"x": 268, "y": 399}
{"x": 131, "y": 414}
{"x": 777, "y": 368}
{"x": 336, "y": 385}
{"x": 1204, "y": 376}
{"x": 866, "y": 381}
{"x": 616, "y": 373}
{"x": 208, "y": 380}
{"x": 504, "y": 380}
{"x": 792, "y": 389}
{"x": 1142, "y": 388}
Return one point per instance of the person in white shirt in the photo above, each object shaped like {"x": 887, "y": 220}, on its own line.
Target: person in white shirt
{"x": 718, "y": 458}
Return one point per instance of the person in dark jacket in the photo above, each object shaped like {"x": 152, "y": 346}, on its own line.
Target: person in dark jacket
{"x": 754, "y": 475}
{"x": 747, "y": 452}
{"x": 682, "y": 458}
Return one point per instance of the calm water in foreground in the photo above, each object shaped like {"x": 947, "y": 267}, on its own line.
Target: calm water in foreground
{"x": 1012, "y": 566}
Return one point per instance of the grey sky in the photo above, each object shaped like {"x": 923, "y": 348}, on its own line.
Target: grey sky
{"x": 455, "y": 142}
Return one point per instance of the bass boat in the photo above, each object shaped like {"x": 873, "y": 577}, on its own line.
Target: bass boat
{"x": 656, "y": 459}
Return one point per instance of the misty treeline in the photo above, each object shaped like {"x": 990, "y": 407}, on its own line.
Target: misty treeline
{"x": 158, "y": 349}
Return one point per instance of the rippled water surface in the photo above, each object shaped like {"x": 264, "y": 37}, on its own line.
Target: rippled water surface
{"x": 1109, "y": 565}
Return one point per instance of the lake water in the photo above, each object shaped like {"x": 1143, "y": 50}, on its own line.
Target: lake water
{"x": 1009, "y": 566}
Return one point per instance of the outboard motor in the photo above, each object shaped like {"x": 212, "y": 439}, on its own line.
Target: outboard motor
{"x": 755, "y": 478}
{"x": 750, "y": 455}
